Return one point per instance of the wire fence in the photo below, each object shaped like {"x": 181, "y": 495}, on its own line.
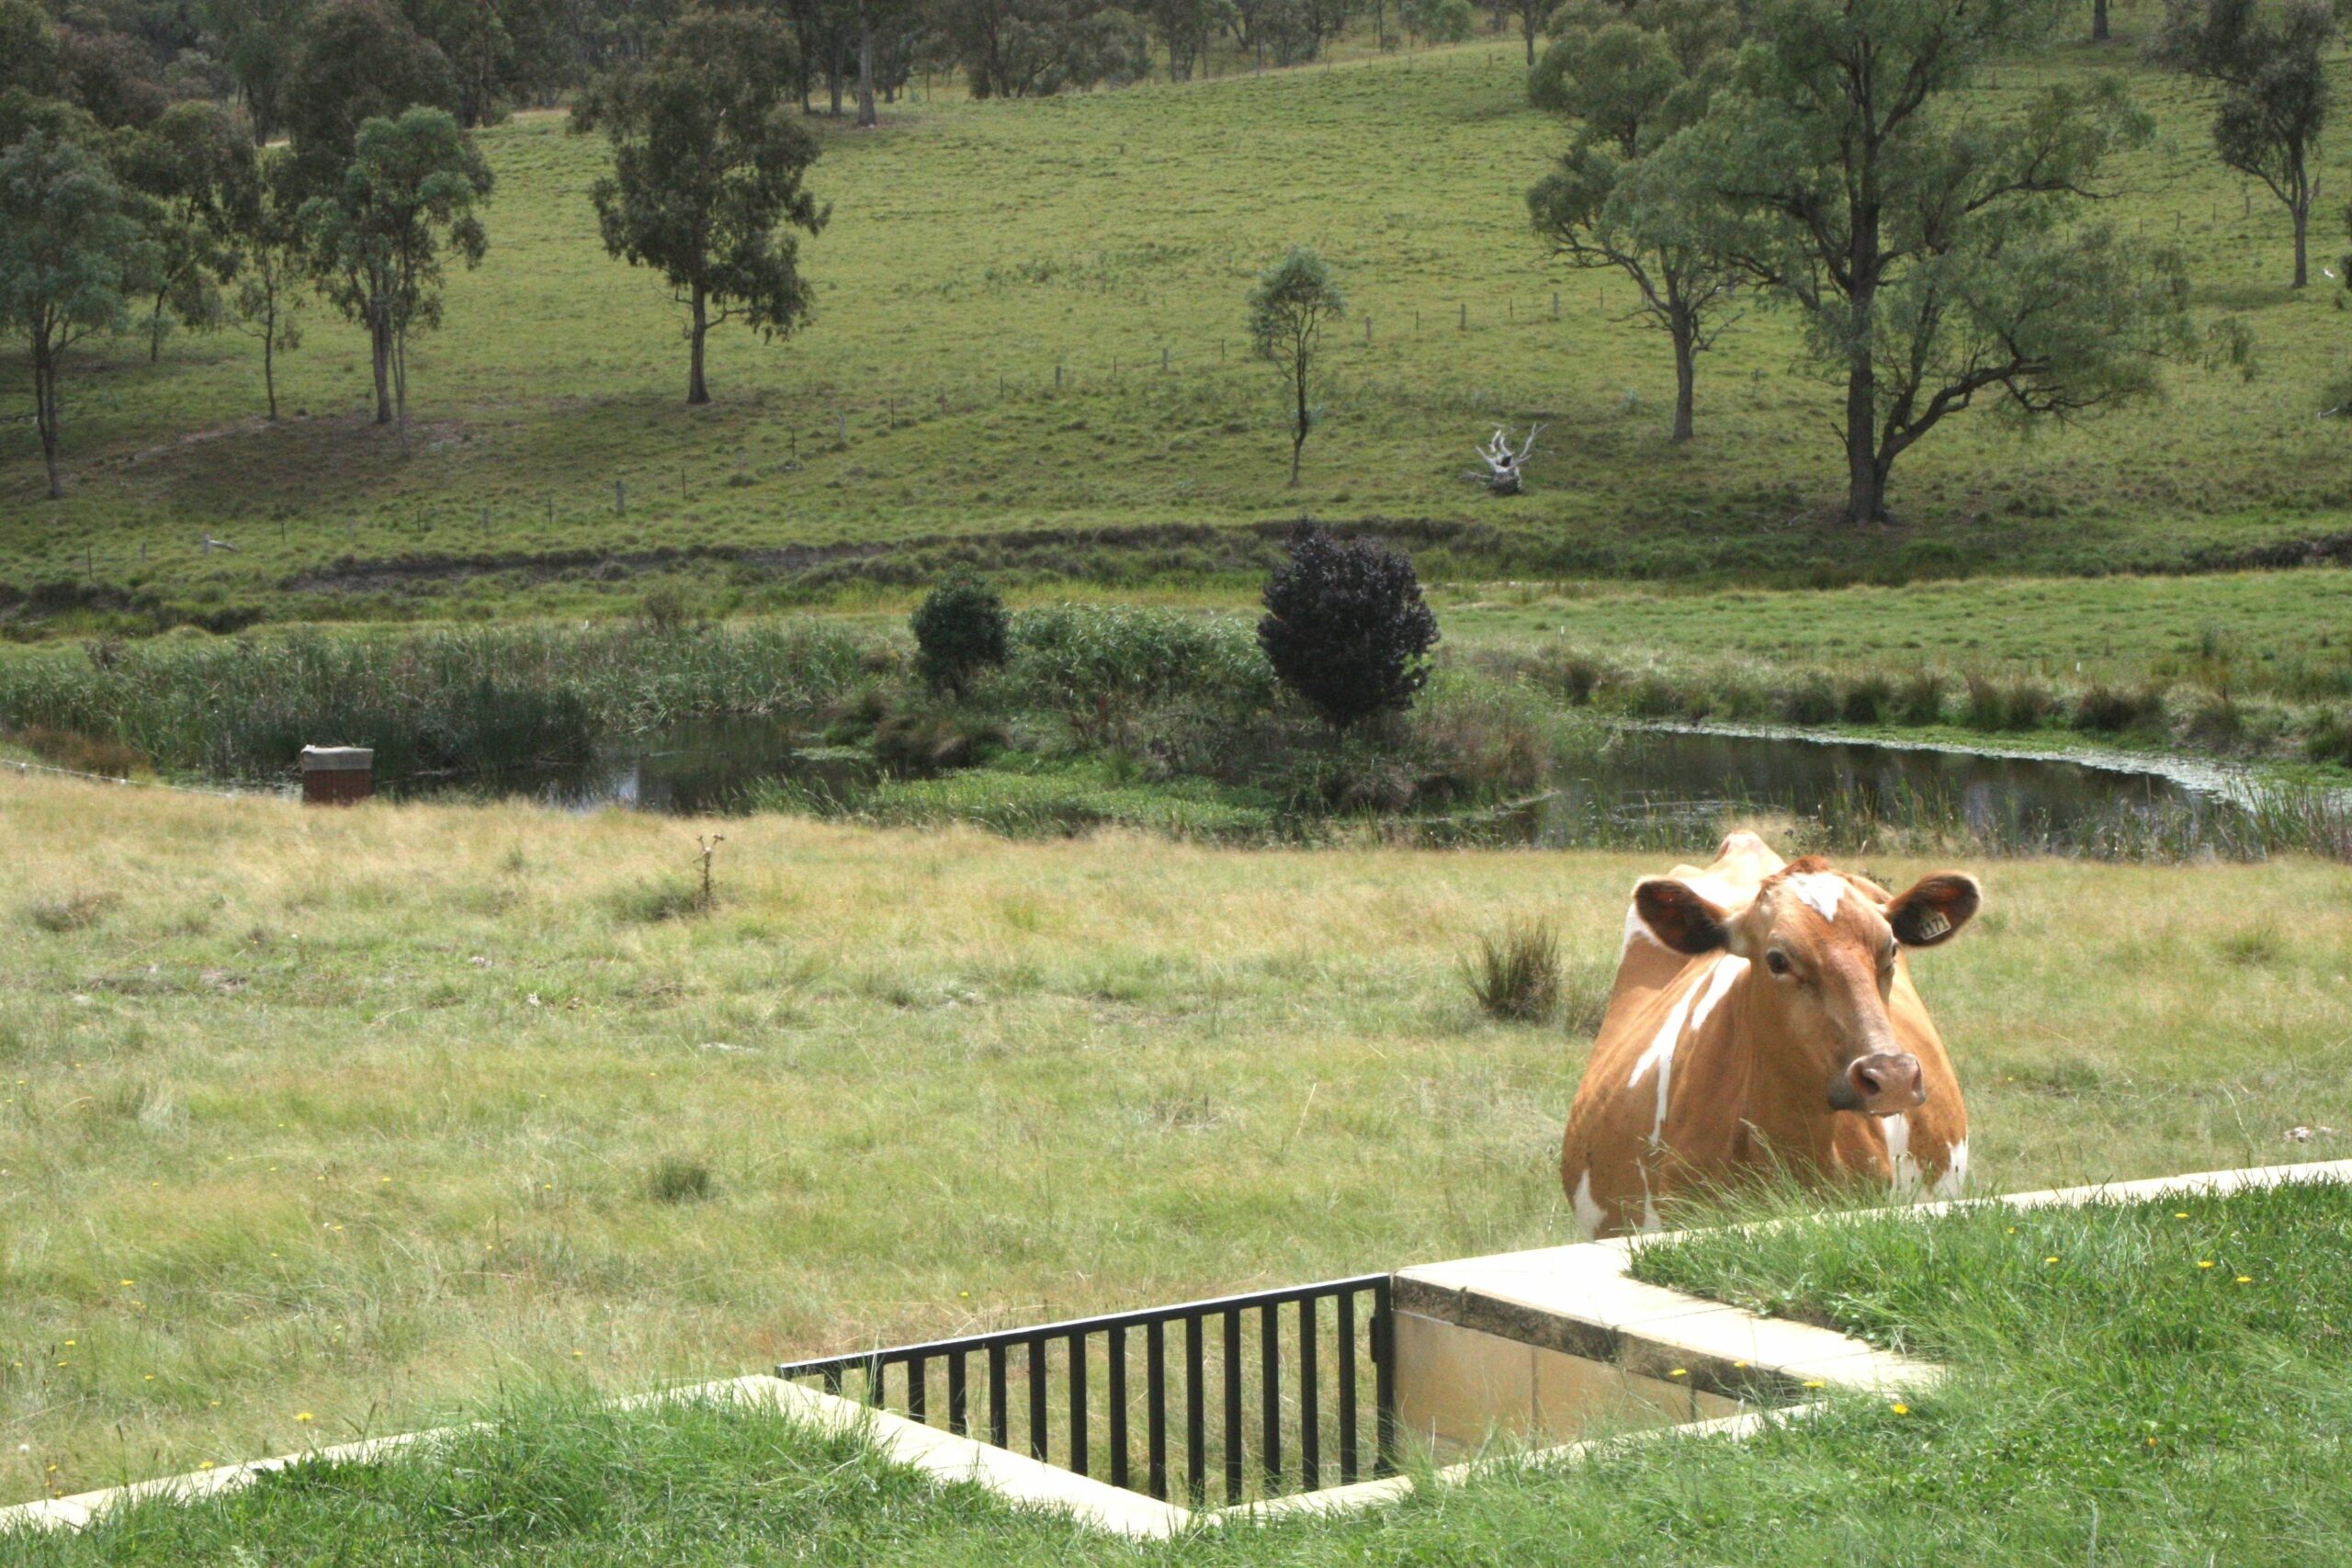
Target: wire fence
{"x": 25, "y": 769}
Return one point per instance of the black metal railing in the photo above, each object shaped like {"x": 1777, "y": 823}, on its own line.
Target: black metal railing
{"x": 1292, "y": 1421}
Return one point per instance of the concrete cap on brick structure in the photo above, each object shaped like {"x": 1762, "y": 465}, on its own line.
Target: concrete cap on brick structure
{"x": 338, "y": 759}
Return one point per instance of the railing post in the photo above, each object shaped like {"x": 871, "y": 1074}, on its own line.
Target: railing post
{"x": 1383, "y": 1377}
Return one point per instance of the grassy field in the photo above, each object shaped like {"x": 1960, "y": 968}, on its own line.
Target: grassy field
{"x": 2153, "y": 1383}
{"x": 976, "y": 247}
{"x": 315, "y": 1124}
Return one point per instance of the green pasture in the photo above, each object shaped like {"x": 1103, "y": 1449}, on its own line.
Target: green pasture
{"x": 356, "y": 1116}
{"x": 974, "y": 247}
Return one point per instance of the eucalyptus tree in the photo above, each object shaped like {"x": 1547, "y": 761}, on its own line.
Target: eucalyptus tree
{"x": 1288, "y": 309}
{"x": 71, "y": 260}
{"x": 267, "y": 304}
{"x": 1937, "y": 257}
{"x": 185, "y": 168}
{"x": 1629, "y": 78}
{"x": 707, "y": 188}
{"x": 410, "y": 194}
{"x": 2269, "y": 59}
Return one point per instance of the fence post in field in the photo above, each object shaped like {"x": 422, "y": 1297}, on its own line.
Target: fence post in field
{"x": 1466, "y": 317}
{"x": 1058, "y": 378}
{"x": 1367, "y": 331}
{"x": 620, "y": 498}
{"x": 1163, "y": 359}
{"x": 1555, "y": 304}
{"x": 841, "y": 426}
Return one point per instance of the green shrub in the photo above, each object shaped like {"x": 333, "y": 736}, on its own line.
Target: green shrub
{"x": 2025, "y": 704}
{"x": 1867, "y": 700}
{"x": 1516, "y": 976}
{"x": 1919, "y": 701}
{"x": 1987, "y": 705}
{"x": 960, "y": 629}
{"x": 2111, "y": 710}
{"x": 1345, "y": 626}
{"x": 2329, "y": 738}
{"x": 1653, "y": 696}
{"x": 1071, "y": 655}
{"x": 2215, "y": 722}
{"x": 1811, "y": 701}
{"x": 922, "y": 744}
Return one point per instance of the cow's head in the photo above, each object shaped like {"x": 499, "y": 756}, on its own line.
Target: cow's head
{"x": 1824, "y": 946}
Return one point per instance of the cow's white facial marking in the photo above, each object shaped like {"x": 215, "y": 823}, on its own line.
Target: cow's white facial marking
{"x": 1904, "y": 1178}
{"x": 1818, "y": 891}
{"x": 1728, "y": 969}
{"x": 1590, "y": 1219}
{"x": 1955, "y": 1174}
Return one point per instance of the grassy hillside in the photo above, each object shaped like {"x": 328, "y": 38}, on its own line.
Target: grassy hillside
{"x": 976, "y": 247}
{"x": 354, "y": 1113}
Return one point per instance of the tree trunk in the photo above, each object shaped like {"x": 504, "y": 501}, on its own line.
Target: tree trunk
{"x": 1685, "y": 377}
{"x": 399, "y": 383}
{"x": 1527, "y": 27}
{"x": 865, "y": 66}
{"x": 1299, "y": 436}
{"x": 698, "y": 391}
{"x": 1865, "y": 486}
{"x": 2302, "y": 212}
{"x": 379, "y": 342}
{"x": 2099, "y": 21}
{"x": 45, "y": 410}
{"x": 268, "y": 363}
{"x": 155, "y": 331}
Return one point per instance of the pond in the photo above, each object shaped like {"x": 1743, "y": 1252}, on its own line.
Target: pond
{"x": 1670, "y": 779}
{"x": 694, "y": 768}
{"x": 1692, "y": 777}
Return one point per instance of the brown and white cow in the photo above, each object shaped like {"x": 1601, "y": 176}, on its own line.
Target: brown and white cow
{"x": 1763, "y": 1019}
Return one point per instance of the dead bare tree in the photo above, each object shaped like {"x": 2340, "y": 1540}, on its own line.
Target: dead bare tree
{"x": 1506, "y": 467}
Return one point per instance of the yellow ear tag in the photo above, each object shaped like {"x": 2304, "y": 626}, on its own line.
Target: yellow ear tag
{"x": 1933, "y": 923}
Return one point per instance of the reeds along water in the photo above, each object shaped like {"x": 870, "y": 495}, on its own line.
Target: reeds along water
{"x": 429, "y": 702}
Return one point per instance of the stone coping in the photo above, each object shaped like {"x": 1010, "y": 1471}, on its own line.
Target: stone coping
{"x": 1575, "y": 1298}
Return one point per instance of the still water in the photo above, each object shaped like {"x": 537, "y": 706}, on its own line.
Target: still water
{"x": 1694, "y": 777}
{"x": 711, "y": 766}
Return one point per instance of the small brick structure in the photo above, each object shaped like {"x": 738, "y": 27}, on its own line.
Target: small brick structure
{"x": 337, "y": 775}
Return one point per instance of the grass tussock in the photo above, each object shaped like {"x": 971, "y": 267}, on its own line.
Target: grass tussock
{"x": 677, "y": 1179}
{"x": 70, "y": 911}
{"x": 1515, "y": 976}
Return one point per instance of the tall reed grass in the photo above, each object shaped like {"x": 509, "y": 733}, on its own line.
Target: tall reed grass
{"x": 429, "y": 702}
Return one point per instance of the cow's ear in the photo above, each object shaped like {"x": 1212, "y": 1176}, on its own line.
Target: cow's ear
{"x": 1934, "y": 909}
{"x": 1679, "y": 918}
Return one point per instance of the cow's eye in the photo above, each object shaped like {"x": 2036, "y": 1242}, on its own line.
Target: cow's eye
{"x": 1886, "y": 959}
{"x": 1777, "y": 961}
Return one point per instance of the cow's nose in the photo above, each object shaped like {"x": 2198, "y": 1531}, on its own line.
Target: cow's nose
{"x": 1887, "y": 1081}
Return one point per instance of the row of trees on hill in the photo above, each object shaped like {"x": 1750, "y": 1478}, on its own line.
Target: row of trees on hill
{"x": 111, "y": 219}
{"x": 128, "y": 61}
{"x": 1820, "y": 158}
{"x": 179, "y": 220}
